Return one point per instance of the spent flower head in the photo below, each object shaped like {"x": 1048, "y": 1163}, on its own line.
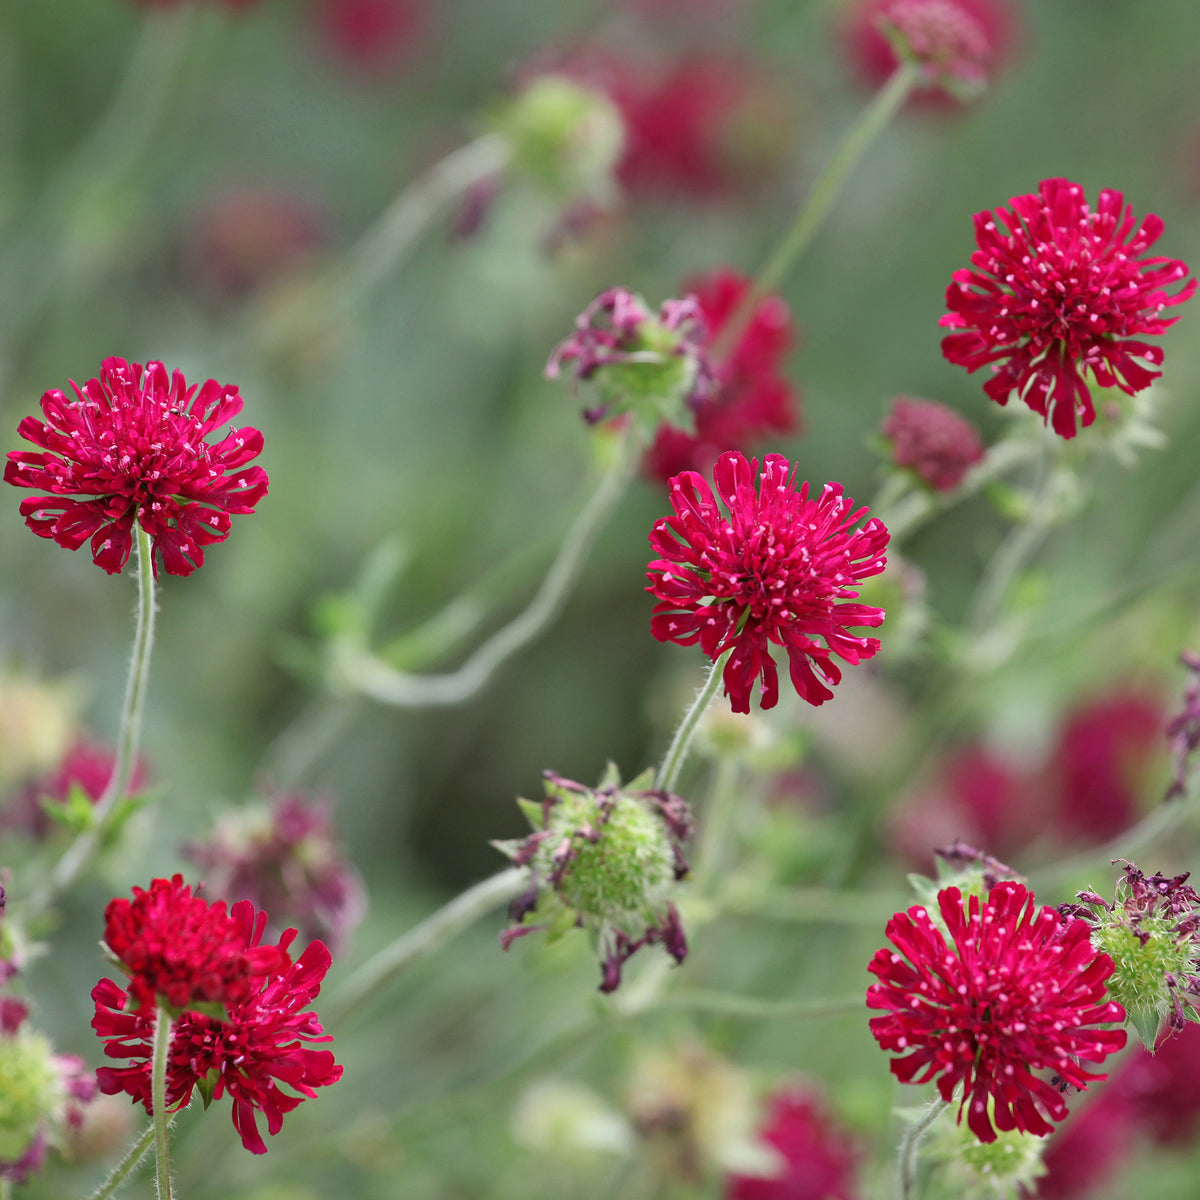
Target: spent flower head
{"x": 131, "y": 447}
{"x": 249, "y": 1051}
{"x": 1014, "y": 990}
{"x": 777, "y": 570}
{"x": 605, "y": 859}
{"x": 1056, "y": 291}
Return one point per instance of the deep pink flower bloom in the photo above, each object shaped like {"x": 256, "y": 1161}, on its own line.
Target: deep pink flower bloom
{"x": 374, "y": 37}
{"x": 933, "y": 441}
{"x": 819, "y": 1159}
{"x": 178, "y": 947}
{"x": 774, "y": 571}
{"x": 1056, "y": 290}
{"x": 1089, "y": 1147}
{"x": 749, "y": 398}
{"x": 130, "y": 447}
{"x": 1019, "y": 992}
{"x": 955, "y": 42}
{"x": 249, "y": 1054}
{"x": 286, "y": 860}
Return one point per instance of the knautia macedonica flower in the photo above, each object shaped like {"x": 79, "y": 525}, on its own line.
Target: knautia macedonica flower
{"x": 1151, "y": 931}
{"x": 371, "y": 37}
{"x": 605, "y": 859}
{"x": 1183, "y": 729}
{"x": 777, "y": 570}
{"x": 932, "y": 441}
{"x": 654, "y": 367}
{"x": 285, "y": 858}
{"x": 131, "y": 447}
{"x": 1057, "y": 290}
{"x": 182, "y": 951}
{"x": 747, "y": 397}
{"x": 256, "y": 1046}
{"x": 1016, "y": 989}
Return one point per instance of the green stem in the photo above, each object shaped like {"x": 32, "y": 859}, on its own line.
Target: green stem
{"x": 431, "y": 934}
{"x": 910, "y": 1144}
{"x": 158, "y": 1098}
{"x": 85, "y": 845}
{"x": 128, "y": 1164}
{"x": 871, "y": 122}
{"x": 718, "y": 817}
{"x": 362, "y": 671}
{"x": 676, "y": 756}
{"x": 752, "y": 1008}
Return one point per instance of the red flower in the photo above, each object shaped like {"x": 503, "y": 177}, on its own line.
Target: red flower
{"x": 933, "y": 441}
{"x": 818, "y": 1159}
{"x": 955, "y": 42}
{"x": 248, "y": 1055}
{"x": 181, "y": 948}
{"x": 773, "y": 571}
{"x": 1017, "y": 994}
{"x": 372, "y": 36}
{"x": 134, "y": 440}
{"x": 750, "y": 398}
{"x": 1059, "y": 291}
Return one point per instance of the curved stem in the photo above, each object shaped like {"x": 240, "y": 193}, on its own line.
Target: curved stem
{"x": 80, "y": 851}
{"x": 676, "y": 756}
{"x": 128, "y": 1164}
{"x": 365, "y": 672}
{"x": 158, "y": 1098}
{"x": 871, "y": 122}
{"x": 910, "y": 1144}
{"x": 430, "y": 935}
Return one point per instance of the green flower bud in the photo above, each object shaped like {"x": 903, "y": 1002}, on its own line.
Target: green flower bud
{"x": 968, "y": 1169}
{"x": 31, "y": 1090}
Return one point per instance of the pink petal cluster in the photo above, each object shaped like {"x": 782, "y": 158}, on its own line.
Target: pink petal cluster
{"x": 177, "y": 947}
{"x": 933, "y": 441}
{"x": 1057, "y": 290}
{"x": 248, "y": 1054}
{"x": 750, "y": 398}
{"x": 131, "y": 447}
{"x": 777, "y": 570}
{"x": 1017, "y": 990}
{"x": 373, "y": 37}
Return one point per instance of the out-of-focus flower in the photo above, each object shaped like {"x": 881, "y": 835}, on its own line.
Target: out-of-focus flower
{"x": 236, "y": 5}
{"x": 776, "y": 571}
{"x": 37, "y": 723}
{"x": 1183, "y": 729}
{"x": 749, "y": 399}
{"x": 818, "y": 1161}
{"x": 179, "y": 949}
{"x": 245, "y": 237}
{"x": 373, "y": 37}
{"x": 1056, "y": 290}
{"x": 653, "y": 367}
{"x": 1087, "y": 1149}
{"x": 932, "y": 441}
{"x": 41, "y": 1093}
{"x": 131, "y": 447}
{"x": 1151, "y": 931}
{"x": 957, "y": 44}
{"x": 286, "y": 860}
{"x": 605, "y": 859}
{"x": 1164, "y": 1086}
{"x": 248, "y": 1053}
{"x": 968, "y": 1169}
{"x": 1021, "y": 991}
{"x": 87, "y": 766}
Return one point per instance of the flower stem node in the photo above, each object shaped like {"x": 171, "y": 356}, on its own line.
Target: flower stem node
{"x": 564, "y": 138}
{"x": 654, "y": 368}
{"x": 605, "y": 859}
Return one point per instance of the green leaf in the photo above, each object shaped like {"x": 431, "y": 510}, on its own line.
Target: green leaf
{"x": 532, "y": 811}
{"x": 1145, "y": 1023}
{"x": 76, "y": 813}
{"x": 117, "y": 819}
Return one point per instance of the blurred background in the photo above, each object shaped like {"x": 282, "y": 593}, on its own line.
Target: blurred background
{"x": 183, "y": 183}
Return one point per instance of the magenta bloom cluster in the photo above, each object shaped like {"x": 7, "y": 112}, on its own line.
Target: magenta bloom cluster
{"x": 777, "y": 570}
{"x": 131, "y": 446}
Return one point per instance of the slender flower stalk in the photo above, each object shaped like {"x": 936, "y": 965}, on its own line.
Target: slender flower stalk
{"x": 677, "y": 752}
{"x": 885, "y": 104}
{"x": 80, "y": 851}
{"x": 359, "y": 669}
{"x": 910, "y": 1145}
{"x": 128, "y": 1164}
{"x": 158, "y": 1096}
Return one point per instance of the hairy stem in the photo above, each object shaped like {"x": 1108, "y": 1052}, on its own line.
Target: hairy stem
{"x": 126, "y": 1167}
{"x": 158, "y": 1098}
{"x": 910, "y": 1145}
{"x": 677, "y": 752}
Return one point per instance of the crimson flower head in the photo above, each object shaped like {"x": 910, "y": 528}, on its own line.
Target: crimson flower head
{"x": 777, "y": 570}
{"x": 932, "y": 441}
{"x": 1016, "y": 990}
{"x": 1057, "y": 289}
{"x": 178, "y": 947}
{"x": 749, "y": 398}
{"x": 374, "y": 37}
{"x": 131, "y": 447}
{"x": 256, "y": 1047}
